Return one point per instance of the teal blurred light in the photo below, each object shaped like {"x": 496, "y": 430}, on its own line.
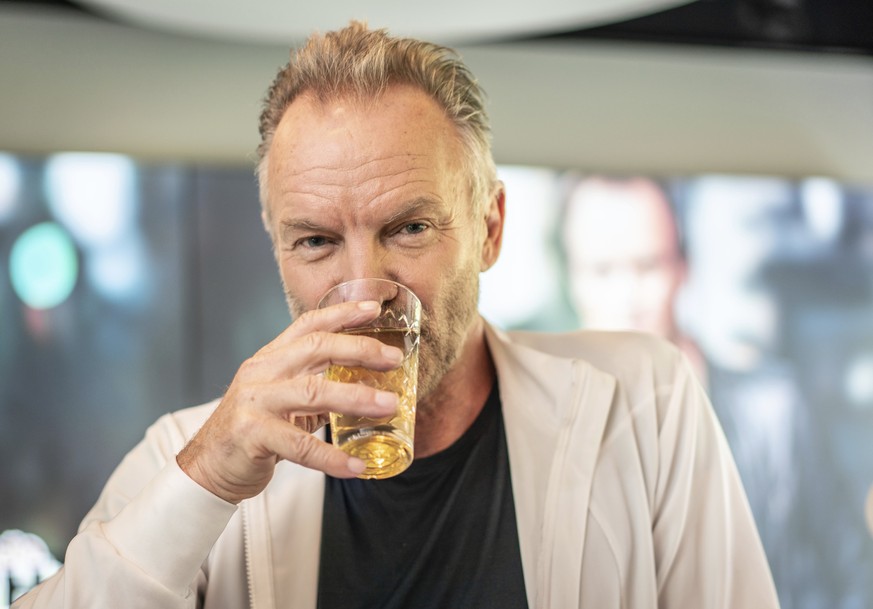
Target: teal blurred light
{"x": 43, "y": 266}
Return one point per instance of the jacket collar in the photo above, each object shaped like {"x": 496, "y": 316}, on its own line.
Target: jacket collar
{"x": 555, "y": 410}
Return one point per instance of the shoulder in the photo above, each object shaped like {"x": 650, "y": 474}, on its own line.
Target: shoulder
{"x": 649, "y": 373}
{"x": 620, "y": 354}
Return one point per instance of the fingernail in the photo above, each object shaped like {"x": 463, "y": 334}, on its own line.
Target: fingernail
{"x": 386, "y": 399}
{"x": 369, "y": 305}
{"x": 356, "y": 466}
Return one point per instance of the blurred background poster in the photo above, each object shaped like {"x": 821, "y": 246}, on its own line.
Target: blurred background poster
{"x": 128, "y": 290}
{"x": 766, "y": 285}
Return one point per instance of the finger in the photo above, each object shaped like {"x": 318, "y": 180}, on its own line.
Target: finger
{"x": 315, "y": 395}
{"x": 305, "y": 449}
{"x": 314, "y": 353}
{"x": 335, "y": 318}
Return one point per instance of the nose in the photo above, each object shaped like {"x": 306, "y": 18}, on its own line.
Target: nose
{"x": 378, "y": 289}
{"x": 367, "y": 259}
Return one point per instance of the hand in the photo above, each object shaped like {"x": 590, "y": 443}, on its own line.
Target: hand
{"x": 278, "y": 398}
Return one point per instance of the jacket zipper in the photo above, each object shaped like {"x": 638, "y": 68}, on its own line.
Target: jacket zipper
{"x": 550, "y": 517}
{"x": 247, "y": 551}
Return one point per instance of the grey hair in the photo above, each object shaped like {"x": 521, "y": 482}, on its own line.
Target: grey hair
{"x": 362, "y": 63}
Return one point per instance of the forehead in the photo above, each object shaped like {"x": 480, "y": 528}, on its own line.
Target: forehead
{"x": 403, "y": 128}
{"x": 616, "y": 220}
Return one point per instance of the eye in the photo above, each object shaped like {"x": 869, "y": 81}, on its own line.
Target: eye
{"x": 312, "y": 242}
{"x": 413, "y": 228}
{"x": 312, "y": 248}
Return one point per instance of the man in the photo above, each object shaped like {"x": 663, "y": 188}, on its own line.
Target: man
{"x": 625, "y": 262}
{"x": 550, "y": 471}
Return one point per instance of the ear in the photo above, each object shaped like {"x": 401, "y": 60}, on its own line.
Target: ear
{"x": 495, "y": 214}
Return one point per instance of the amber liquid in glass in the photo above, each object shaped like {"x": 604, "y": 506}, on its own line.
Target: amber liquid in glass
{"x": 384, "y": 445}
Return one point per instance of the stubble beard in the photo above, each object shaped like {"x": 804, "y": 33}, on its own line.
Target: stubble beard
{"x": 444, "y": 333}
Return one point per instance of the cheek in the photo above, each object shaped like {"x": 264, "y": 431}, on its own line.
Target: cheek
{"x": 425, "y": 288}
{"x": 432, "y": 292}
{"x": 306, "y": 289}
{"x": 456, "y": 292}
{"x": 427, "y": 278}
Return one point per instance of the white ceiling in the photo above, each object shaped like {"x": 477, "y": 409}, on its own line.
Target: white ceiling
{"x": 104, "y": 86}
{"x": 446, "y": 21}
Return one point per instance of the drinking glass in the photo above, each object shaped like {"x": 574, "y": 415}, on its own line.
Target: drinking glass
{"x": 385, "y": 445}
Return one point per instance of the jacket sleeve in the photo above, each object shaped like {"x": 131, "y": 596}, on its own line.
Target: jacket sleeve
{"x": 708, "y": 552}
{"x": 144, "y": 542}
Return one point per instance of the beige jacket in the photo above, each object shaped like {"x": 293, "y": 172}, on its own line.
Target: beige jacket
{"x": 626, "y": 496}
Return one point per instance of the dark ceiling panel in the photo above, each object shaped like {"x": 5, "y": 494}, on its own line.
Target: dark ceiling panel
{"x": 831, "y": 26}
{"x": 844, "y": 26}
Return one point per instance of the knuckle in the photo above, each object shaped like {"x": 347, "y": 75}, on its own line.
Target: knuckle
{"x": 306, "y": 319}
{"x": 310, "y": 390}
{"x": 362, "y": 343}
{"x": 255, "y": 368}
{"x": 370, "y": 346}
{"x": 313, "y": 341}
{"x": 304, "y": 447}
{"x": 248, "y": 366}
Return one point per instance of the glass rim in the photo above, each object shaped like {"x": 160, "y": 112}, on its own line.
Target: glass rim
{"x": 374, "y": 279}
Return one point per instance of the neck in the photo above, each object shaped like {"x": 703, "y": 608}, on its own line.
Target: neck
{"x": 448, "y": 411}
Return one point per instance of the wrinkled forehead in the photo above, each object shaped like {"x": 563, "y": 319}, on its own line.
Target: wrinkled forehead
{"x": 399, "y": 146}
{"x": 401, "y": 129}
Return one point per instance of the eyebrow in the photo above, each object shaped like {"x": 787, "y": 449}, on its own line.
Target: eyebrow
{"x": 416, "y": 206}
{"x": 412, "y": 208}
{"x": 289, "y": 227}
{"x": 303, "y": 225}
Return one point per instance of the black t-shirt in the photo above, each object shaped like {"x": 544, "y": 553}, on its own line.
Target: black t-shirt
{"x": 441, "y": 534}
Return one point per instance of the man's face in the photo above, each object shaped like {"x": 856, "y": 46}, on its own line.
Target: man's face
{"x": 374, "y": 189}
{"x": 623, "y": 255}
